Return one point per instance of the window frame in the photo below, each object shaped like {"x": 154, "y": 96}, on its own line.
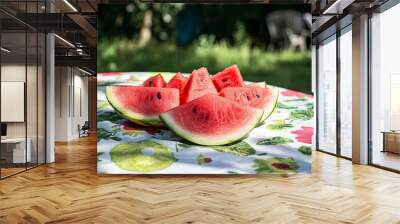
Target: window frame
{"x": 339, "y": 26}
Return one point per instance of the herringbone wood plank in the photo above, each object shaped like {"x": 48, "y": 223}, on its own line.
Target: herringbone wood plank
{"x": 70, "y": 191}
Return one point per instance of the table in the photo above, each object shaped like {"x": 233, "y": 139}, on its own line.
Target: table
{"x": 391, "y": 141}
{"x": 281, "y": 145}
{"x": 17, "y": 151}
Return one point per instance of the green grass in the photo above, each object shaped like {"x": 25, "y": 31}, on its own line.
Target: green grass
{"x": 286, "y": 69}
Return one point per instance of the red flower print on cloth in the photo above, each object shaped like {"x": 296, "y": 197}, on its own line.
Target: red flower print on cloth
{"x": 292, "y": 93}
{"x": 304, "y": 134}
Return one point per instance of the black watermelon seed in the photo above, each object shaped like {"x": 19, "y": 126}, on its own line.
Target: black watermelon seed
{"x": 258, "y": 96}
{"x": 248, "y": 97}
{"x": 194, "y": 110}
{"x": 151, "y": 83}
{"x": 159, "y": 95}
{"x": 224, "y": 80}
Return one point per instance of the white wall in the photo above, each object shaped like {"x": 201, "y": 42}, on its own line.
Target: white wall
{"x": 71, "y": 94}
{"x": 62, "y": 81}
{"x": 80, "y": 110}
{"x": 33, "y": 126}
{"x": 16, "y": 73}
{"x": 12, "y": 73}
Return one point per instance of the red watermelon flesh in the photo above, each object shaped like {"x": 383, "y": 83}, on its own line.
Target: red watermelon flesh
{"x": 198, "y": 85}
{"x": 248, "y": 96}
{"x": 142, "y": 105}
{"x": 155, "y": 81}
{"x": 177, "y": 82}
{"x": 212, "y": 120}
{"x": 229, "y": 77}
{"x": 254, "y": 96}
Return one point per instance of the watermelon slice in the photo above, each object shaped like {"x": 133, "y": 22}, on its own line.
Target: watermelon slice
{"x": 155, "y": 81}
{"x": 198, "y": 85}
{"x": 229, "y": 77}
{"x": 254, "y": 96}
{"x": 177, "y": 82}
{"x": 212, "y": 120}
{"x": 142, "y": 105}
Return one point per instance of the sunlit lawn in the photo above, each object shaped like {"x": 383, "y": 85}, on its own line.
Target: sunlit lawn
{"x": 286, "y": 69}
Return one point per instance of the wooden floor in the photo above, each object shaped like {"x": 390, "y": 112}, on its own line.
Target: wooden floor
{"x": 10, "y": 171}
{"x": 387, "y": 159}
{"x": 70, "y": 191}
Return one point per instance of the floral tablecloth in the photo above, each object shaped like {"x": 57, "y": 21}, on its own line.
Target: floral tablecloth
{"x": 281, "y": 145}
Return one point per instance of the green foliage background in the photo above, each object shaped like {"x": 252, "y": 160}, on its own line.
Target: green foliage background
{"x": 231, "y": 39}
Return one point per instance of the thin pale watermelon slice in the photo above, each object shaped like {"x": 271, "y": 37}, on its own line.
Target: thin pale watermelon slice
{"x": 257, "y": 84}
{"x": 229, "y": 77}
{"x": 198, "y": 85}
{"x": 212, "y": 120}
{"x": 155, "y": 81}
{"x": 254, "y": 96}
{"x": 142, "y": 105}
{"x": 177, "y": 82}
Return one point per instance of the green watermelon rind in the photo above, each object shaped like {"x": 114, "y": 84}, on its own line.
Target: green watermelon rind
{"x": 168, "y": 121}
{"x": 269, "y": 109}
{"x": 130, "y": 115}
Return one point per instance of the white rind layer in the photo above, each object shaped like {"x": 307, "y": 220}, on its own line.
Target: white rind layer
{"x": 271, "y": 107}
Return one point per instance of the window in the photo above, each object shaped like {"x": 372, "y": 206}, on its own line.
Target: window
{"x": 385, "y": 89}
{"x": 346, "y": 92}
{"x": 327, "y": 95}
{"x": 22, "y": 77}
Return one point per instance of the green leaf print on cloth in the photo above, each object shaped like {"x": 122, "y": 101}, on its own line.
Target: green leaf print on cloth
{"x": 278, "y": 125}
{"x": 106, "y": 135}
{"x": 310, "y": 105}
{"x": 304, "y": 115}
{"x": 182, "y": 146}
{"x": 296, "y": 100}
{"x": 133, "y": 133}
{"x": 285, "y": 106}
{"x": 142, "y": 156}
{"x": 109, "y": 116}
{"x": 278, "y": 140}
{"x": 306, "y": 150}
{"x": 240, "y": 148}
{"x": 275, "y": 165}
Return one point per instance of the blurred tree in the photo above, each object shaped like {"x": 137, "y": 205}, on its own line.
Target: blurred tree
{"x": 183, "y": 24}
{"x": 145, "y": 31}
{"x": 136, "y": 18}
